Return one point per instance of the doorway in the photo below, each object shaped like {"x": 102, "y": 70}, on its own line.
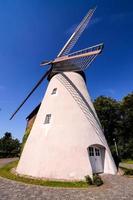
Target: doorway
{"x": 95, "y": 156}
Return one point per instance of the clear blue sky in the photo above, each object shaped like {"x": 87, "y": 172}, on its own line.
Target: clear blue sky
{"x": 34, "y": 30}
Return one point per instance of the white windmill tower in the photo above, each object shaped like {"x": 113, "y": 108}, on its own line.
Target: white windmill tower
{"x": 66, "y": 141}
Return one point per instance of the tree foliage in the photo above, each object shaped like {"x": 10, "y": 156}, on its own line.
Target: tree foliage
{"x": 116, "y": 118}
{"x": 127, "y": 125}
{"x": 9, "y": 147}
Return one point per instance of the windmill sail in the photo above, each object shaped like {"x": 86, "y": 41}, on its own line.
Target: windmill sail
{"x": 78, "y": 60}
{"x": 31, "y": 92}
{"x": 73, "y": 62}
{"x": 77, "y": 33}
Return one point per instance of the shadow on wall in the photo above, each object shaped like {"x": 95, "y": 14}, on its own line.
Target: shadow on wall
{"x": 83, "y": 104}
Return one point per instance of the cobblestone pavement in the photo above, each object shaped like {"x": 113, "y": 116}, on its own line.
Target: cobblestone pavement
{"x": 115, "y": 187}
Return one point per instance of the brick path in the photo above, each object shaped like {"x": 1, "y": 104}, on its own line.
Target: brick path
{"x": 115, "y": 188}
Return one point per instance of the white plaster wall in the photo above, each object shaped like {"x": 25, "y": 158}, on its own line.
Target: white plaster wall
{"x": 59, "y": 150}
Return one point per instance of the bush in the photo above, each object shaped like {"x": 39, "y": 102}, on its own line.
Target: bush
{"x": 88, "y": 180}
{"x": 127, "y": 171}
{"x": 97, "y": 180}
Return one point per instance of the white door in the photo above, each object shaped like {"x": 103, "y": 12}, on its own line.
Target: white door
{"x": 95, "y": 159}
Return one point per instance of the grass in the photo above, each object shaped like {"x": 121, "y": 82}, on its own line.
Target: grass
{"x": 6, "y": 173}
{"x": 128, "y": 161}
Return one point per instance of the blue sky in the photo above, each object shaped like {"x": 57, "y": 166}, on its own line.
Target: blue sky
{"x": 35, "y": 30}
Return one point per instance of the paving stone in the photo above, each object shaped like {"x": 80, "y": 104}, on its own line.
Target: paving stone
{"x": 114, "y": 188}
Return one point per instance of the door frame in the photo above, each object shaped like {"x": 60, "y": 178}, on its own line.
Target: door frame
{"x": 102, "y": 155}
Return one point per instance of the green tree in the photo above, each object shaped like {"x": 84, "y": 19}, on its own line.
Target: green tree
{"x": 9, "y": 147}
{"x": 108, "y": 111}
{"x": 116, "y": 118}
{"x": 126, "y": 136}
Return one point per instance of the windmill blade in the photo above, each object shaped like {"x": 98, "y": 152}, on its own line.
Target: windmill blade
{"x": 45, "y": 62}
{"x": 78, "y": 64}
{"x": 78, "y": 60}
{"x": 77, "y": 33}
{"x": 35, "y": 87}
{"x": 98, "y": 47}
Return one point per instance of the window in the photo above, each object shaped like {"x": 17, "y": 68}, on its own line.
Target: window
{"x": 97, "y": 152}
{"x": 47, "y": 119}
{"x": 54, "y": 91}
{"x": 91, "y": 151}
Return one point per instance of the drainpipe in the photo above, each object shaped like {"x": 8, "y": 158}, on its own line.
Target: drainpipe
{"x": 116, "y": 148}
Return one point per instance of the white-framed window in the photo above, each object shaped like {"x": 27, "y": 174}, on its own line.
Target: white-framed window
{"x": 47, "y": 119}
{"x": 54, "y": 91}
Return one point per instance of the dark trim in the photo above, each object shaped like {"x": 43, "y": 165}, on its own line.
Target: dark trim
{"x": 54, "y": 73}
{"x": 33, "y": 113}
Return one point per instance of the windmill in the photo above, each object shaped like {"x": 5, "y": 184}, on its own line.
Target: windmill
{"x": 66, "y": 141}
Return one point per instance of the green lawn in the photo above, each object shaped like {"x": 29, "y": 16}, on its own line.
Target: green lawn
{"x": 6, "y": 173}
{"x": 128, "y": 161}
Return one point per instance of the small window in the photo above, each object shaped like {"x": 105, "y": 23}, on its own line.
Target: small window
{"x": 97, "y": 152}
{"x": 91, "y": 151}
{"x": 54, "y": 91}
{"x": 47, "y": 119}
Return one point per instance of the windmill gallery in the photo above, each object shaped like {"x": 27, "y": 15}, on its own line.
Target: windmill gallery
{"x": 66, "y": 141}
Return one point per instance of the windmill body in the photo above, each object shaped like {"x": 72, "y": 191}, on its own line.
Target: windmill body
{"x": 66, "y": 141}
{"x": 60, "y": 149}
